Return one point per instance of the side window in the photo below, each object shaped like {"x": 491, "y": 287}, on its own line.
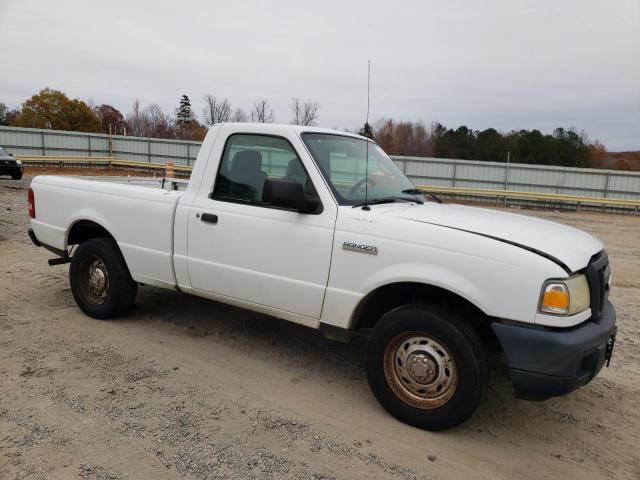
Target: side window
{"x": 249, "y": 160}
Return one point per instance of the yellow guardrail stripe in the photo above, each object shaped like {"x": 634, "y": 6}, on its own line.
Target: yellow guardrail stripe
{"x": 70, "y": 159}
{"x": 162, "y": 166}
{"x": 532, "y": 195}
{"x": 101, "y": 160}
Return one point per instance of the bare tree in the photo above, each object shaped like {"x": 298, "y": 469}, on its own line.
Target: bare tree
{"x": 262, "y": 112}
{"x": 134, "y": 120}
{"x": 239, "y": 115}
{"x": 157, "y": 123}
{"x": 7, "y": 116}
{"x": 216, "y": 111}
{"x": 296, "y": 108}
{"x": 304, "y": 113}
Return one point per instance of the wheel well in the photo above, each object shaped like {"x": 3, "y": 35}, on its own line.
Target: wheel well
{"x": 389, "y": 297}
{"x": 85, "y": 230}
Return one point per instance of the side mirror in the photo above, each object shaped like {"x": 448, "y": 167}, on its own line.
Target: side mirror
{"x": 285, "y": 193}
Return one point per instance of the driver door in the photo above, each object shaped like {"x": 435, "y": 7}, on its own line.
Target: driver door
{"x": 241, "y": 248}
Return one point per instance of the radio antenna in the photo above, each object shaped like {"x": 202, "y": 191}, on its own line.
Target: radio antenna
{"x": 366, "y": 131}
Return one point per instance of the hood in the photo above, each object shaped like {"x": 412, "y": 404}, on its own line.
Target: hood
{"x": 565, "y": 245}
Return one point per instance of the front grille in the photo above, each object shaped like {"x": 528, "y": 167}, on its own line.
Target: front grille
{"x": 597, "y": 274}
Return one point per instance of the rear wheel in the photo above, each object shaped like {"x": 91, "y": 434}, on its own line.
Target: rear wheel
{"x": 100, "y": 280}
{"x": 426, "y": 366}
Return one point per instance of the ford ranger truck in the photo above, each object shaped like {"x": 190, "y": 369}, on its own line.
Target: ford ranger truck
{"x": 321, "y": 228}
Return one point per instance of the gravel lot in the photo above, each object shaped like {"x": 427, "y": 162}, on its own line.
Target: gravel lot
{"x": 188, "y": 388}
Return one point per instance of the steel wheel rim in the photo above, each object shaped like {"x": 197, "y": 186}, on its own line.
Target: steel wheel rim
{"x": 420, "y": 370}
{"x": 95, "y": 281}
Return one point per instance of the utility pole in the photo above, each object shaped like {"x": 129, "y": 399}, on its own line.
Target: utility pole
{"x": 110, "y": 143}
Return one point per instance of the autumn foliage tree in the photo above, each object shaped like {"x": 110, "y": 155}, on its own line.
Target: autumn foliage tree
{"x": 111, "y": 119}
{"x": 404, "y": 138}
{"x": 598, "y": 153}
{"x": 196, "y": 131}
{"x": 53, "y": 109}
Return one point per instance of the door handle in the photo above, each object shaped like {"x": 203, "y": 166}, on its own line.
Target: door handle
{"x": 209, "y": 217}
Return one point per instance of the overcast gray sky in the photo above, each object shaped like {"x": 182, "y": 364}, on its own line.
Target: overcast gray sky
{"x": 506, "y": 64}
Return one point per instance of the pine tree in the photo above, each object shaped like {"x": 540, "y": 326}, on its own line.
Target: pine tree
{"x": 183, "y": 114}
{"x": 366, "y": 131}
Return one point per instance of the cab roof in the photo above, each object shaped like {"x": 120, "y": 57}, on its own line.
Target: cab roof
{"x": 285, "y": 127}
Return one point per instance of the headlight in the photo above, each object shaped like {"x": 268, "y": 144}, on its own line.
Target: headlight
{"x": 18, "y": 162}
{"x": 565, "y": 297}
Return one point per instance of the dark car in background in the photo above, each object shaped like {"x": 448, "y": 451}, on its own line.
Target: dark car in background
{"x": 10, "y": 165}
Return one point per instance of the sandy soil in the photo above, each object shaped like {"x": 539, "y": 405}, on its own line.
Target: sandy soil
{"x": 187, "y": 388}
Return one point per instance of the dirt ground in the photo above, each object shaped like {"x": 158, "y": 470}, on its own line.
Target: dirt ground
{"x": 187, "y": 388}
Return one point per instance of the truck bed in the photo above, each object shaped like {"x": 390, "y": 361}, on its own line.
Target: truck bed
{"x": 137, "y": 212}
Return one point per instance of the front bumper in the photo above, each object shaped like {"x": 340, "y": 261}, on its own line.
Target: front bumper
{"x": 11, "y": 169}
{"x": 550, "y": 363}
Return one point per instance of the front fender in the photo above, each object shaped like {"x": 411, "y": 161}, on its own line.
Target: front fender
{"x": 433, "y": 275}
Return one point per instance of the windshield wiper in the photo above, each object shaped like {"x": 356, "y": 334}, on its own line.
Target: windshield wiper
{"x": 415, "y": 191}
{"x": 381, "y": 200}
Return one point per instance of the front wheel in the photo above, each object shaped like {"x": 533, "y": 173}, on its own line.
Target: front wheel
{"x": 100, "y": 280}
{"x": 426, "y": 366}
{"x": 16, "y": 176}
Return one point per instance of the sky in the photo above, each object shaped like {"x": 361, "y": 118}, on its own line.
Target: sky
{"x": 506, "y": 64}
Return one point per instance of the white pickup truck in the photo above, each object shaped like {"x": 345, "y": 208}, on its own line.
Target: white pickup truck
{"x": 320, "y": 227}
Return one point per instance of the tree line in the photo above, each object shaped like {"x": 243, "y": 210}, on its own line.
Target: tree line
{"x": 53, "y": 109}
{"x": 563, "y": 147}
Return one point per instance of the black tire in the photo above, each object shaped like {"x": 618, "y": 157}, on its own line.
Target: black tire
{"x": 453, "y": 384}
{"x": 133, "y": 293}
{"x": 17, "y": 176}
{"x": 97, "y": 297}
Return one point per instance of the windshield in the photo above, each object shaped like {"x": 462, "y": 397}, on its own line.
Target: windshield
{"x": 343, "y": 163}
{"x": 3, "y": 152}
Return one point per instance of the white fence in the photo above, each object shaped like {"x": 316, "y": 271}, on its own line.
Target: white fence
{"x": 32, "y": 141}
{"x": 590, "y": 182}
{"x": 422, "y": 171}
